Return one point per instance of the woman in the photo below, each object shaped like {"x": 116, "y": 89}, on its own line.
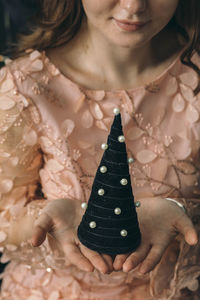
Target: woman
{"x": 55, "y": 119}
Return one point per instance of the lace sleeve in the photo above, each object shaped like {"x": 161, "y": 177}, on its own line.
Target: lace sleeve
{"x": 20, "y": 162}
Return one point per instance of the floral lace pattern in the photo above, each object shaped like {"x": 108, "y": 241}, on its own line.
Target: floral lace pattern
{"x": 51, "y": 132}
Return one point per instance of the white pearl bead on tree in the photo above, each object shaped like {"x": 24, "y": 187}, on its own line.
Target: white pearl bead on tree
{"x": 84, "y": 205}
{"x": 104, "y": 146}
{"x": 137, "y": 204}
{"x": 130, "y": 160}
{"x": 103, "y": 169}
{"x": 101, "y": 192}
{"x": 121, "y": 139}
{"x": 116, "y": 111}
{"x": 117, "y": 211}
{"x": 123, "y": 181}
{"x": 92, "y": 224}
{"x": 123, "y": 232}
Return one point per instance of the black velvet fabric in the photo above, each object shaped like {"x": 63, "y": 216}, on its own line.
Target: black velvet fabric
{"x": 105, "y": 237}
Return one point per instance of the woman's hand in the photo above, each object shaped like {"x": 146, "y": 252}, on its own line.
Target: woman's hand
{"x": 61, "y": 218}
{"x": 160, "y": 221}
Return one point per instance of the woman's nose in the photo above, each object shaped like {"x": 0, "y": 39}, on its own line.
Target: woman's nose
{"x": 133, "y": 6}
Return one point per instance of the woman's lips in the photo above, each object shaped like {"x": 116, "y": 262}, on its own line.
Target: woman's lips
{"x": 130, "y": 26}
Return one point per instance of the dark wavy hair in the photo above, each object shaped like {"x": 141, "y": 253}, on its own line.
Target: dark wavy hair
{"x": 58, "y": 21}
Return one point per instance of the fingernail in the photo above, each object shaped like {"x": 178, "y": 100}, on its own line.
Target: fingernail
{"x": 126, "y": 270}
{"x": 103, "y": 271}
{"x": 127, "y": 267}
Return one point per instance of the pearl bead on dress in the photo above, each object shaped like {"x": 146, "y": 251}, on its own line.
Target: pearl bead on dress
{"x": 48, "y": 270}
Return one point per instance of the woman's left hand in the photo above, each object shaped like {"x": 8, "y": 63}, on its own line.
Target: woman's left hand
{"x": 160, "y": 221}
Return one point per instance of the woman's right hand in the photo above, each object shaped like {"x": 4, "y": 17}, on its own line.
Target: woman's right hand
{"x": 60, "y": 218}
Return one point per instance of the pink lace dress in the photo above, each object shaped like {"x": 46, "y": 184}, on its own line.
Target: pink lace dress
{"x": 51, "y": 131}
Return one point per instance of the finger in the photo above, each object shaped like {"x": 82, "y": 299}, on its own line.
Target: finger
{"x": 119, "y": 261}
{"x": 136, "y": 257}
{"x": 185, "y": 226}
{"x": 153, "y": 258}
{"x": 108, "y": 259}
{"x": 75, "y": 256}
{"x": 95, "y": 258}
{"x": 42, "y": 225}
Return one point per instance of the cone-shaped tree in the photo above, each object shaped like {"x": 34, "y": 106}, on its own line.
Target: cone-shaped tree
{"x": 110, "y": 223}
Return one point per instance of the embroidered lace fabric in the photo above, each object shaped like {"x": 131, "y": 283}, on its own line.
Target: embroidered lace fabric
{"x": 51, "y": 131}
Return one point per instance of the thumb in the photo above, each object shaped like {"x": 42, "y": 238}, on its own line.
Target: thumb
{"x": 185, "y": 226}
{"x": 41, "y": 226}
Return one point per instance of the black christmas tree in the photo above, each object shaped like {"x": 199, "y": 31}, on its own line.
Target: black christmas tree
{"x": 110, "y": 224}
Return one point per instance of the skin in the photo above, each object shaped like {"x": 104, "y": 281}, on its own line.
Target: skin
{"x": 60, "y": 219}
{"x": 130, "y": 58}
{"x": 160, "y": 221}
